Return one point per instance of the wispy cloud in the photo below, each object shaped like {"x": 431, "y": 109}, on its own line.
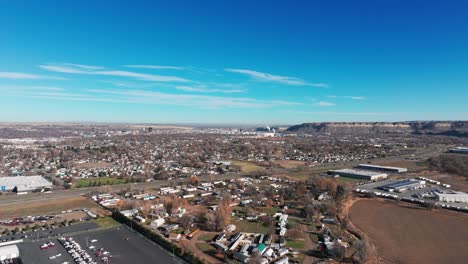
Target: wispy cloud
{"x": 74, "y": 69}
{"x": 275, "y": 78}
{"x": 27, "y": 76}
{"x": 142, "y": 76}
{"x": 150, "y": 97}
{"x": 356, "y": 97}
{"x": 63, "y": 69}
{"x": 85, "y": 67}
{"x": 322, "y": 103}
{"x": 205, "y": 89}
{"x": 348, "y": 97}
{"x": 155, "y": 67}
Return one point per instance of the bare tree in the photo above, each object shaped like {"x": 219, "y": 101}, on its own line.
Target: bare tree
{"x": 362, "y": 250}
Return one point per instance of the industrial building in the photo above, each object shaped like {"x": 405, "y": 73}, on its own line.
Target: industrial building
{"x": 382, "y": 168}
{"x": 23, "y": 183}
{"x": 9, "y": 252}
{"x": 459, "y": 150}
{"x": 358, "y": 174}
{"x": 403, "y": 185}
{"x": 453, "y": 197}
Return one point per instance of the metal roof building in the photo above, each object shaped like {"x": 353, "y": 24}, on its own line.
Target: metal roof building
{"x": 23, "y": 183}
{"x": 453, "y": 197}
{"x": 403, "y": 185}
{"x": 359, "y": 174}
{"x": 460, "y": 150}
{"x": 382, "y": 168}
{"x": 9, "y": 252}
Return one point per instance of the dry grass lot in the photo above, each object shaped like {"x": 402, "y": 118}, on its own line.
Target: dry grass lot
{"x": 247, "y": 167}
{"x": 48, "y": 207}
{"x": 405, "y": 234}
{"x": 289, "y": 164}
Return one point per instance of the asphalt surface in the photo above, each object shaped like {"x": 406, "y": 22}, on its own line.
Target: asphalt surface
{"x": 124, "y": 245}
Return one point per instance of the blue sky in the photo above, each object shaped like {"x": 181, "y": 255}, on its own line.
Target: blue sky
{"x": 249, "y": 62}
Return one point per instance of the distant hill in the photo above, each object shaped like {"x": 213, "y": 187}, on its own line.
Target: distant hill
{"x": 448, "y": 128}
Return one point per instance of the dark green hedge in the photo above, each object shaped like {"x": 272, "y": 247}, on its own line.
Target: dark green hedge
{"x": 157, "y": 238}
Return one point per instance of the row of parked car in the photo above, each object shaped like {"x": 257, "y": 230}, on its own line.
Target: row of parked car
{"x": 74, "y": 249}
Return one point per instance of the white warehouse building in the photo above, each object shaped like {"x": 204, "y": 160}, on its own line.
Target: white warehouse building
{"x": 382, "y": 168}
{"x": 9, "y": 252}
{"x": 359, "y": 174}
{"x": 23, "y": 183}
{"x": 453, "y": 197}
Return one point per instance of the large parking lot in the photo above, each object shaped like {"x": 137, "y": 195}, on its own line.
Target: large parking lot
{"x": 124, "y": 245}
{"x": 417, "y": 194}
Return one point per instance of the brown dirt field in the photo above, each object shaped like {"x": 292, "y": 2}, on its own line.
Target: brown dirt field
{"x": 49, "y": 207}
{"x": 289, "y": 164}
{"x": 405, "y": 234}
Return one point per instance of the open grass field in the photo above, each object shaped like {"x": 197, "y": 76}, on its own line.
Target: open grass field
{"x": 48, "y": 207}
{"x": 289, "y": 164}
{"x": 247, "y": 167}
{"x": 344, "y": 180}
{"x": 106, "y": 222}
{"x": 297, "y": 244}
{"x": 98, "y": 182}
{"x": 206, "y": 248}
{"x": 406, "y": 234}
{"x": 207, "y": 237}
{"x": 252, "y": 227}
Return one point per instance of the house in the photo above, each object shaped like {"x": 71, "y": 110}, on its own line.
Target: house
{"x": 140, "y": 219}
{"x": 243, "y": 258}
{"x": 221, "y": 246}
{"x": 174, "y": 236}
{"x": 220, "y": 237}
{"x": 329, "y": 221}
{"x": 235, "y": 242}
{"x": 324, "y": 196}
{"x": 282, "y": 261}
{"x": 261, "y": 248}
{"x": 268, "y": 253}
{"x": 212, "y": 208}
{"x": 180, "y": 212}
{"x": 283, "y": 251}
{"x": 246, "y": 202}
{"x": 168, "y": 228}
{"x": 129, "y": 213}
{"x": 158, "y": 223}
{"x": 282, "y": 231}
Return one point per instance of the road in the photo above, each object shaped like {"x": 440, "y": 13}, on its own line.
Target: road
{"x": 10, "y": 199}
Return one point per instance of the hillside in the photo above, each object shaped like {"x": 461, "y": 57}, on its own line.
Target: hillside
{"x": 453, "y": 128}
